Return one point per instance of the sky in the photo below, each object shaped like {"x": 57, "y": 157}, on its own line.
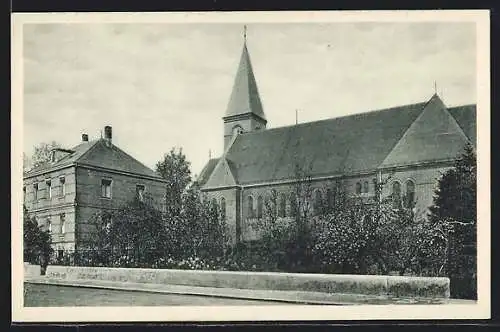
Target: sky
{"x": 167, "y": 85}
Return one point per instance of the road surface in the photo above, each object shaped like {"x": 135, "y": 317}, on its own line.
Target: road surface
{"x": 37, "y": 295}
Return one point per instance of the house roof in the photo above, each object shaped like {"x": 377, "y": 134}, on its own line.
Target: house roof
{"x": 348, "y": 144}
{"x": 245, "y": 97}
{"x": 97, "y": 154}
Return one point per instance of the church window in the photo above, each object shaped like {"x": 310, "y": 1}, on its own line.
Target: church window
{"x": 396, "y": 194}
{"x": 35, "y": 191}
{"x": 48, "y": 184}
{"x": 223, "y": 208}
{"x": 214, "y": 205}
{"x": 139, "y": 190}
{"x": 329, "y": 198}
{"x": 358, "y": 188}
{"x": 365, "y": 187}
{"x": 259, "y": 207}
{"x": 410, "y": 194}
{"x": 251, "y": 213}
{"x": 318, "y": 202}
{"x": 282, "y": 207}
{"x": 293, "y": 205}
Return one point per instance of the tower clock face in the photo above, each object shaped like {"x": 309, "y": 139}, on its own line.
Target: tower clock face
{"x": 237, "y": 130}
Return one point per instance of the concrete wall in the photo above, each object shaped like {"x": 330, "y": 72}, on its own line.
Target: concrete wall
{"x": 341, "y": 284}
{"x": 31, "y": 270}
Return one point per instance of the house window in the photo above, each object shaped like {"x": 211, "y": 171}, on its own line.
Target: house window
{"x": 49, "y": 189}
{"x": 358, "y": 188}
{"x": 223, "y": 208}
{"x": 259, "y": 207}
{"x": 366, "y": 187}
{"x": 106, "y": 188}
{"x": 49, "y": 225}
{"x": 396, "y": 194}
{"x": 62, "y": 222}
{"x": 139, "y": 190}
{"x": 62, "y": 186}
{"x": 250, "y": 207}
{"x": 282, "y": 206}
{"x": 318, "y": 200}
{"x": 35, "y": 191}
{"x": 410, "y": 194}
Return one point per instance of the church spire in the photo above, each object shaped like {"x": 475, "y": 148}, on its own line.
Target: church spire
{"x": 245, "y": 97}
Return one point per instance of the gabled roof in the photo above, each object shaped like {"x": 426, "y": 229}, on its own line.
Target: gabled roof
{"x": 245, "y": 95}
{"x": 67, "y": 160}
{"x": 349, "y": 144}
{"x": 466, "y": 118}
{"x": 97, "y": 154}
{"x": 207, "y": 171}
{"x": 434, "y": 135}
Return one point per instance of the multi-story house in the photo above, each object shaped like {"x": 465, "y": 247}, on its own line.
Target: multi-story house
{"x": 93, "y": 176}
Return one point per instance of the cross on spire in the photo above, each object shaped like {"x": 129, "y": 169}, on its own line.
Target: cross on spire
{"x": 245, "y": 33}
{"x": 435, "y": 87}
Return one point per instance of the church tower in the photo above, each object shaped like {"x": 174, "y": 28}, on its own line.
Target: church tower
{"x": 244, "y": 112}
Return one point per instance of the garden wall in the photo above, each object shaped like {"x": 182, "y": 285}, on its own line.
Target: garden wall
{"x": 392, "y": 286}
{"x": 31, "y": 270}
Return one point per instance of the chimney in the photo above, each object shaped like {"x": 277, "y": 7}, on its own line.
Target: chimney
{"x": 85, "y": 138}
{"x": 108, "y": 135}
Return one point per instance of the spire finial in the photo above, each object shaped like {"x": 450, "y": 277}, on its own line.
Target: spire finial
{"x": 245, "y": 33}
{"x": 209, "y": 154}
{"x": 435, "y": 88}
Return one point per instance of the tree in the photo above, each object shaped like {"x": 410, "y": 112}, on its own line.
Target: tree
{"x": 36, "y": 242}
{"x": 454, "y": 215}
{"x": 174, "y": 168}
{"x": 41, "y": 154}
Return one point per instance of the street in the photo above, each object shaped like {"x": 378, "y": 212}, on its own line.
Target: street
{"x": 63, "y": 296}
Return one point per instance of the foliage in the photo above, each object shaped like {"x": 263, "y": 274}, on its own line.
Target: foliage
{"x": 453, "y": 213}
{"x": 36, "y": 241}
{"x": 41, "y": 154}
{"x": 174, "y": 168}
{"x": 138, "y": 235}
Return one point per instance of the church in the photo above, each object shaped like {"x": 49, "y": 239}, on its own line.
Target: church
{"x": 407, "y": 146}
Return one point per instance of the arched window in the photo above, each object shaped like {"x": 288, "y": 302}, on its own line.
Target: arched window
{"x": 293, "y": 205}
{"x": 282, "y": 205}
{"x": 358, "y": 188}
{"x": 318, "y": 202}
{"x": 251, "y": 213}
{"x": 366, "y": 187}
{"x": 273, "y": 202}
{"x": 329, "y": 199}
{"x": 223, "y": 208}
{"x": 259, "y": 207}
{"x": 410, "y": 194}
{"x": 396, "y": 194}
{"x": 49, "y": 225}
{"x": 214, "y": 204}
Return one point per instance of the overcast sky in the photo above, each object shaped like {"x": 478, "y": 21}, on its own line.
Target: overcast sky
{"x": 167, "y": 85}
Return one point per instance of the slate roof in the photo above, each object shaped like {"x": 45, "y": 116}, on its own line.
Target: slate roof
{"x": 96, "y": 153}
{"x": 354, "y": 143}
{"x": 245, "y": 95}
{"x": 207, "y": 171}
{"x": 466, "y": 118}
